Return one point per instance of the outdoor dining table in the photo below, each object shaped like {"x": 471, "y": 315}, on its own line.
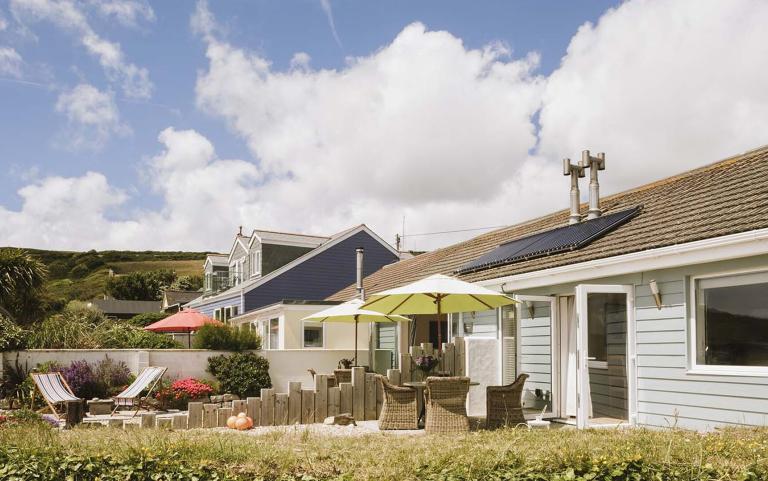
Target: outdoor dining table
{"x": 420, "y": 387}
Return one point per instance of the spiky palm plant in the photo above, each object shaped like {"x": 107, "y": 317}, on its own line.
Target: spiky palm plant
{"x": 21, "y": 277}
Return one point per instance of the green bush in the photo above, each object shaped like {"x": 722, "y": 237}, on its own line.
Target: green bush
{"x": 225, "y": 338}
{"x": 143, "y": 320}
{"x": 116, "y": 334}
{"x": 12, "y": 337}
{"x": 242, "y": 373}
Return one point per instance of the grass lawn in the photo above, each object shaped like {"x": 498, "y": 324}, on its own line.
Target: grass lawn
{"x": 101, "y": 453}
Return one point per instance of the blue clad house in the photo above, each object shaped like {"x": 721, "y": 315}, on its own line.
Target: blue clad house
{"x": 269, "y": 281}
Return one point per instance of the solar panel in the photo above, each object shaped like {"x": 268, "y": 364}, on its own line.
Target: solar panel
{"x": 562, "y": 239}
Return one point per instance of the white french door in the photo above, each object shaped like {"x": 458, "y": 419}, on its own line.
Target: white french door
{"x": 605, "y": 353}
{"x": 537, "y": 352}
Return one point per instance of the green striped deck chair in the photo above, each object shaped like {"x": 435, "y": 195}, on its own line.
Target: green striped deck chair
{"x": 54, "y": 389}
{"x": 147, "y": 379}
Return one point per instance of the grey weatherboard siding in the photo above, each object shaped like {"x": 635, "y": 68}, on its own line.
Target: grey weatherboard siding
{"x": 209, "y": 306}
{"x": 322, "y": 275}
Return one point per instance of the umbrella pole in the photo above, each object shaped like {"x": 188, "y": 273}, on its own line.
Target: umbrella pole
{"x": 355, "y": 341}
{"x": 189, "y": 339}
{"x": 439, "y": 322}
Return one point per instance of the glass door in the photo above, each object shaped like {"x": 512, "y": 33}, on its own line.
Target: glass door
{"x": 537, "y": 354}
{"x": 605, "y": 374}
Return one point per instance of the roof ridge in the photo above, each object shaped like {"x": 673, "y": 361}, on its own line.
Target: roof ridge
{"x": 290, "y": 233}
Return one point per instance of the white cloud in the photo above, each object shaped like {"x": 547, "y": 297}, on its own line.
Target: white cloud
{"x": 429, "y": 128}
{"x": 10, "y": 62}
{"x": 92, "y": 117}
{"x": 67, "y": 15}
{"x": 127, "y": 12}
{"x": 661, "y": 87}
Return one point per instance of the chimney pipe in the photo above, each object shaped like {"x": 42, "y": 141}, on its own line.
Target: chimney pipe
{"x": 594, "y": 164}
{"x": 360, "y": 251}
{"x": 575, "y": 171}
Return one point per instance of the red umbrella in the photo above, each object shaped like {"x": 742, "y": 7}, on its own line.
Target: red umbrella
{"x": 186, "y": 320}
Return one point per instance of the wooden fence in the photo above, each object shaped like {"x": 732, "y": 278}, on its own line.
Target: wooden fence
{"x": 362, "y": 398}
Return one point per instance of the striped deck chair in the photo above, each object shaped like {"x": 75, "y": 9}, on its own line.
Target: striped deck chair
{"x": 54, "y": 389}
{"x": 146, "y": 380}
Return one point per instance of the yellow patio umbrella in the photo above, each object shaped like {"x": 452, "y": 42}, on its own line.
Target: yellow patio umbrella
{"x": 437, "y": 294}
{"x": 351, "y": 312}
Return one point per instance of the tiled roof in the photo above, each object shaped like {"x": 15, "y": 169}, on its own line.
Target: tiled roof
{"x": 173, "y": 296}
{"x": 119, "y": 306}
{"x": 726, "y": 197}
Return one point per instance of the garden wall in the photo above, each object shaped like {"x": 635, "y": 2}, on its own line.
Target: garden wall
{"x": 284, "y": 366}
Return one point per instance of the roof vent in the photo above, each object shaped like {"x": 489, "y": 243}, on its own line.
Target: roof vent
{"x": 576, "y": 171}
{"x": 594, "y": 164}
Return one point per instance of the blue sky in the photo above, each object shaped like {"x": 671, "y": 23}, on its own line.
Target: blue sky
{"x": 44, "y": 134}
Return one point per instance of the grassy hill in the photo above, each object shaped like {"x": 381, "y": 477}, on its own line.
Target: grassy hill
{"x": 83, "y": 275}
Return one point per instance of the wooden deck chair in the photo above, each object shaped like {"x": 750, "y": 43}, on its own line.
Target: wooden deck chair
{"x": 146, "y": 380}
{"x": 54, "y": 389}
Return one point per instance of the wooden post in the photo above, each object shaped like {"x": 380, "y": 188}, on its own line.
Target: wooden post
{"x": 209, "y": 415}
{"x": 449, "y": 352}
{"x": 379, "y": 396}
{"x": 358, "y": 393}
{"x": 179, "y": 421}
{"x": 281, "y": 409}
{"x": 460, "y": 356}
{"x": 254, "y": 410}
{"x": 334, "y": 399}
{"x": 195, "y": 412}
{"x": 294, "y": 402}
{"x": 75, "y": 411}
{"x": 222, "y": 414}
{"x": 405, "y": 367}
{"x": 393, "y": 376}
{"x": 321, "y": 397}
{"x": 239, "y": 406}
{"x": 308, "y": 406}
{"x": 370, "y": 395}
{"x": 147, "y": 420}
{"x": 345, "y": 400}
{"x": 427, "y": 349}
{"x": 267, "y": 407}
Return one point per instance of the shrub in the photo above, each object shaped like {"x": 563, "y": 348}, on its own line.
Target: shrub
{"x": 82, "y": 380}
{"x": 225, "y": 338}
{"x": 113, "y": 375}
{"x": 143, "y": 320}
{"x": 177, "y": 394}
{"x": 73, "y": 328}
{"x": 12, "y": 337}
{"x": 242, "y": 373}
{"x": 115, "y": 334}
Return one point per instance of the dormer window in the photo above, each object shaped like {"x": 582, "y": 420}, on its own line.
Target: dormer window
{"x": 255, "y": 263}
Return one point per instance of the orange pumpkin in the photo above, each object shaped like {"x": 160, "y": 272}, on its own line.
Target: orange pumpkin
{"x": 241, "y": 415}
{"x": 241, "y": 424}
{"x": 231, "y": 422}
{"x": 250, "y": 422}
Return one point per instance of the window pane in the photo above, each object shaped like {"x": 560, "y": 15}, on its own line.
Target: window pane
{"x": 313, "y": 334}
{"x": 274, "y": 333}
{"x": 732, "y": 321}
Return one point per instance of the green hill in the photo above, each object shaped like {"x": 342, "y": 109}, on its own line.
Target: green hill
{"x": 83, "y": 275}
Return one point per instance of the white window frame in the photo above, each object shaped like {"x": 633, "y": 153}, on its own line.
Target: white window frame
{"x": 709, "y": 369}
{"x": 314, "y": 323}
{"x": 269, "y": 332}
{"x": 256, "y": 263}
{"x": 217, "y": 314}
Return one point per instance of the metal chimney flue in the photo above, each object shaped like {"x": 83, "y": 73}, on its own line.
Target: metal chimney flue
{"x": 360, "y": 252}
{"x": 576, "y": 172}
{"x": 594, "y": 164}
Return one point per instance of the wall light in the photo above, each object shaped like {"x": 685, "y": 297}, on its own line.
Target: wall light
{"x": 655, "y": 291}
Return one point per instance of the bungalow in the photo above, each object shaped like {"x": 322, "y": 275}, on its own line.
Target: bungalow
{"x": 651, "y": 309}
{"x": 270, "y": 281}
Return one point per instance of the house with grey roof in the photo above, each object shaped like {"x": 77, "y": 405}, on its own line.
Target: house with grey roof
{"x": 648, "y": 307}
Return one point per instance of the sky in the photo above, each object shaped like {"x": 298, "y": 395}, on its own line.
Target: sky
{"x": 127, "y": 124}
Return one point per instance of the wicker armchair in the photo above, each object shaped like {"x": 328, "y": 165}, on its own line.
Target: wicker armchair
{"x": 447, "y": 405}
{"x": 342, "y": 375}
{"x": 504, "y": 404}
{"x": 399, "y": 408}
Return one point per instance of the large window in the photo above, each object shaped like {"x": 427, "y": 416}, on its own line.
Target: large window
{"x": 732, "y": 320}
{"x": 274, "y": 333}
{"x": 313, "y": 334}
{"x": 255, "y": 263}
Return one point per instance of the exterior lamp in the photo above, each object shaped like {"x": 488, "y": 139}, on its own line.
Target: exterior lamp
{"x": 656, "y": 294}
